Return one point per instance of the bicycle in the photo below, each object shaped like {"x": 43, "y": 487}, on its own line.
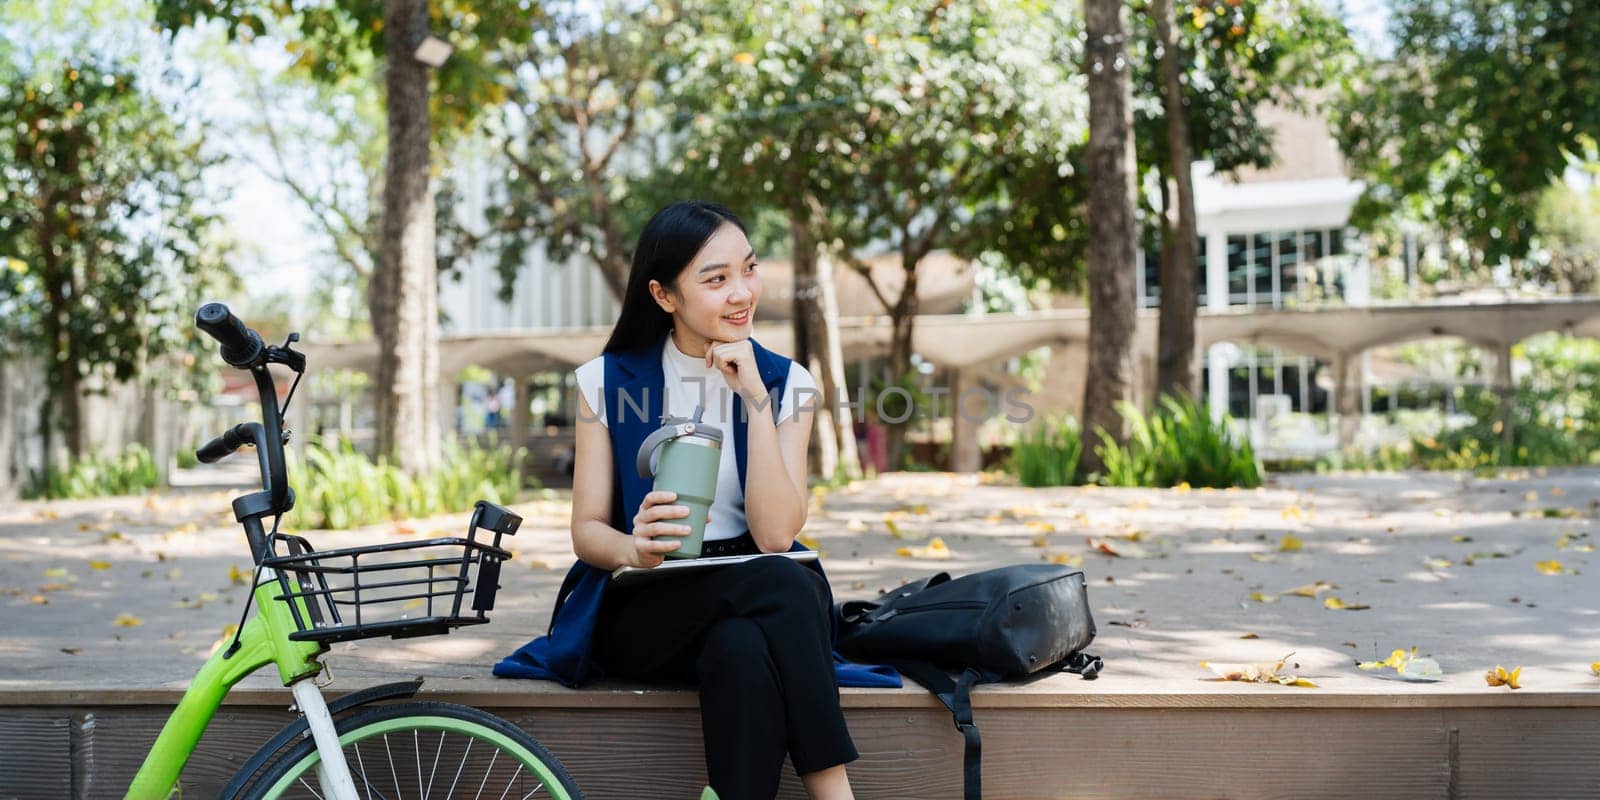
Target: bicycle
{"x": 306, "y": 600}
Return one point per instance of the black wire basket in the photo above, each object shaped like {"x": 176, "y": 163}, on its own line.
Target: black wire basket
{"x": 400, "y": 589}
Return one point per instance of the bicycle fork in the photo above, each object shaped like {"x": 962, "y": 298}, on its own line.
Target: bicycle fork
{"x": 333, "y": 772}
{"x": 263, "y": 640}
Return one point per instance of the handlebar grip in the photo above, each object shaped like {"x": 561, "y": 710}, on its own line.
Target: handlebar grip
{"x": 241, "y": 347}
{"x": 223, "y": 446}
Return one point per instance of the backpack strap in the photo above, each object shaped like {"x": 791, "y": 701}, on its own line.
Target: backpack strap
{"x": 1081, "y": 663}
{"x": 956, "y": 695}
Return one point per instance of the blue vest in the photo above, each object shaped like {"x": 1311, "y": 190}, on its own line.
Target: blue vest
{"x": 634, "y": 382}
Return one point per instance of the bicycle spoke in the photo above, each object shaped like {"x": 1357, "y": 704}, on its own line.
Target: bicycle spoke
{"x": 416, "y": 746}
{"x": 435, "y": 769}
{"x": 393, "y": 773}
{"x": 364, "y": 781}
{"x": 510, "y": 782}
{"x": 534, "y": 792}
{"x": 486, "y": 772}
{"x": 309, "y": 789}
{"x": 460, "y": 768}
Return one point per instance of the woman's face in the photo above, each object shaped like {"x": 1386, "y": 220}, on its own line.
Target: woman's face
{"x": 715, "y": 296}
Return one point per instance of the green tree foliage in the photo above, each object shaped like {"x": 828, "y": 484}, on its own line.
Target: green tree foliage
{"x": 1568, "y": 222}
{"x": 577, "y": 133}
{"x": 1482, "y": 105}
{"x": 950, "y": 126}
{"x": 105, "y": 231}
{"x": 334, "y": 41}
{"x": 1237, "y": 56}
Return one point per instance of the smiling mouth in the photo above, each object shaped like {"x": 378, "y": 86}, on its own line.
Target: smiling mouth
{"x": 742, "y": 316}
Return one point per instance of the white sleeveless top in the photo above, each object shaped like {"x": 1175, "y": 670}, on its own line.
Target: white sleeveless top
{"x": 690, "y": 383}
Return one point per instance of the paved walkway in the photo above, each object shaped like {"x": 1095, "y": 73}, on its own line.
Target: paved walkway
{"x": 130, "y": 593}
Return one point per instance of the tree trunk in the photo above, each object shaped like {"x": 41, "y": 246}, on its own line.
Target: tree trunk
{"x": 1175, "y": 371}
{"x": 1111, "y": 224}
{"x": 404, "y": 293}
{"x": 902, "y": 322}
{"x": 816, "y": 329}
{"x": 829, "y": 349}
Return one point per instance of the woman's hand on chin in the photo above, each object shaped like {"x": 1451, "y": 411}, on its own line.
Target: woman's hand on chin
{"x": 737, "y": 362}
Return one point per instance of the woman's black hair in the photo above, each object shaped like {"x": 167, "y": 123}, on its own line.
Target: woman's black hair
{"x": 671, "y": 239}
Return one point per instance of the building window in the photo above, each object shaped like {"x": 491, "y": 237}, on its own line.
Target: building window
{"x": 1288, "y": 269}
{"x": 1149, "y": 287}
{"x": 1261, "y": 269}
{"x": 1238, "y": 271}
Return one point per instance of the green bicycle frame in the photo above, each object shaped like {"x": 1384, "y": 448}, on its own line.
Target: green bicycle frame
{"x": 263, "y": 640}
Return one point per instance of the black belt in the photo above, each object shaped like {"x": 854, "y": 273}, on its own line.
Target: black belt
{"x": 741, "y": 545}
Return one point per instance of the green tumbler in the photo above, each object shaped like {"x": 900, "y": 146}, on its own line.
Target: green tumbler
{"x": 690, "y": 457}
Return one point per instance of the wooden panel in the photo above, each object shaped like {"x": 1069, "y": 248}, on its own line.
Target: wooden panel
{"x": 1041, "y": 753}
{"x": 35, "y": 754}
{"x": 115, "y": 740}
{"x": 1549, "y": 753}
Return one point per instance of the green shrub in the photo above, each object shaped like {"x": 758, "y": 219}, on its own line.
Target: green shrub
{"x": 341, "y": 488}
{"x": 1047, "y": 455}
{"x": 1178, "y": 443}
{"x": 130, "y": 472}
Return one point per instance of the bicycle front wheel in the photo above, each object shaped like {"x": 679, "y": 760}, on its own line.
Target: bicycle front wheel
{"x": 426, "y": 749}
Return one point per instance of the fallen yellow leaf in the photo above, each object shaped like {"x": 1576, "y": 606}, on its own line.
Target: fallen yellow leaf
{"x": 1067, "y": 559}
{"x": 1437, "y": 563}
{"x": 1395, "y": 660}
{"x": 1339, "y": 605}
{"x": 237, "y": 576}
{"x": 1040, "y": 541}
{"x": 411, "y": 604}
{"x": 1266, "y": 558}
{"x": 99, "y": 565}
{"x": 1595, "y": 668}
{"x": 808, "y": 540}
{"x": 127, "y": 621}
{"x": 1041, "y": 526}
{"x": 1551, "y": 567}
{"x": 934, "y": 549}
{"x": 1310, "y": 589}
{"x": 39, "y": 600}
{"x": 1290, "y": 544}
{"x": 1258, "y": 673}
{"x": 55, "y": 572}
{"x": 1263, "y": 598}
{"x": 1407, "y": 665}
{"x": 1499, "y": 677}
{"x": 1182, "y": 487}
{"x": 1293, "y": 512}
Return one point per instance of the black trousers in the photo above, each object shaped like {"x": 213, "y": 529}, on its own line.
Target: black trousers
{"x": 754, "y": 638}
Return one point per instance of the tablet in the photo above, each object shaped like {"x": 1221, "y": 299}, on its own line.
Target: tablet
{"x": 680, "y": 566}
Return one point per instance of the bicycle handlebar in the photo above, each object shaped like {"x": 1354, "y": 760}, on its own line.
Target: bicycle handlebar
{"x": 223, "y": 446}
{"x": 241, "y": 347}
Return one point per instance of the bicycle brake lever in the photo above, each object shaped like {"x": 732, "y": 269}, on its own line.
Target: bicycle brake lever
{"x": 286, "y": 355}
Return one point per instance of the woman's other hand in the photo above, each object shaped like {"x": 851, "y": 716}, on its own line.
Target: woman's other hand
{"x": 655, "y": 519}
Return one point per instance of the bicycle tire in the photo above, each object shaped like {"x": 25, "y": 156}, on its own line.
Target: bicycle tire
{"x": 466, "y": 738}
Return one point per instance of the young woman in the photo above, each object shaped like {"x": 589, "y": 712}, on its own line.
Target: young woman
{"x": 756, "y": 636}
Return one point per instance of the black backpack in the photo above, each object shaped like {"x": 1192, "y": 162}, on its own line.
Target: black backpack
{"x": 993, "y": 625}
